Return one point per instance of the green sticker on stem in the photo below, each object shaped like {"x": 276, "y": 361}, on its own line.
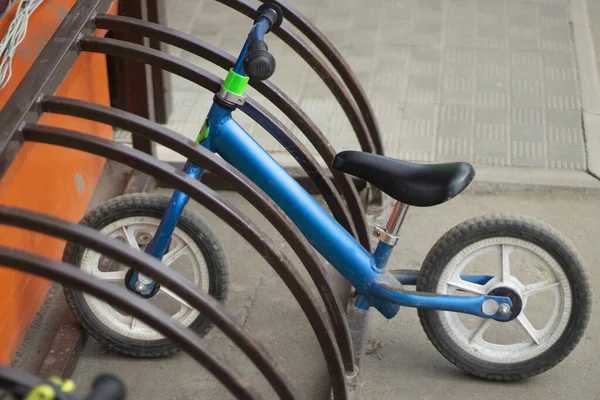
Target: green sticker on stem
{"x": 203, "y": 132}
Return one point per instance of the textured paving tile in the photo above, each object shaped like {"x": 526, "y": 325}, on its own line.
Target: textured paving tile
{"x": 488, "y": 81}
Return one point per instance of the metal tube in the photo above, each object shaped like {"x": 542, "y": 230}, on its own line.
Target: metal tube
{"x": 148, "y": 265}
{"x": 308, "y": 163}
{"x": 396, "y": 218}
{"x": 136, "y": 306}
{"x": 323, "y": 232}
{"x": 229, "y": 214}
{"x": 207, "y": 160}
{"x": 11, "y": 377}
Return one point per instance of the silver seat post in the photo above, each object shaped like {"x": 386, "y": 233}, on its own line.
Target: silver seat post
{"x": 389, "y": 234}
{"x": 396, "y": 218}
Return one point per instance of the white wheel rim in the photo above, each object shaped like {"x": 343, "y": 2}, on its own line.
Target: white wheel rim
{"x": 181, "y": 245}
{"x": 472, "y": 340}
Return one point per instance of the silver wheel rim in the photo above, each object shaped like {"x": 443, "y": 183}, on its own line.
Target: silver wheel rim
{"x": 136, "y": 231}
{"x": 472, "y": 340}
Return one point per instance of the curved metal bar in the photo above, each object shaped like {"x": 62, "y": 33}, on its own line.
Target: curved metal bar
{"x": 267, "y": 89}
{"x": 228, "y": 213}
{"x": 12, "y": 377}
{"x": 311, "y": 166}
{"x": 338, "y": 62}
{"x": 150, "y": 266}
{"x": 209, "y": 161}
{"x": 327, "y": 76}
{"x": 136, "y": 306}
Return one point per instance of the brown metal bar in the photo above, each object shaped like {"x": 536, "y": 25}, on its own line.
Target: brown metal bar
{"x": 210, "y": 162}
{"x": 131, "y": 79}
{"x": 144, "y": 263}
{"x": 307, "y": 162}
{"x": 217, "y": 184}
{"x": 3, "y": 5}
{"x": 10, "y": 377}
{"x": 45, "y": 75}
{"x": 338, "y": 62}
{"x": 136, "y": 306}
{"x": 326, "y": 151}
{"x": 161, "y": 82}
{"x": 327, "y": 76}
{"x": 229, "y": 214}
{"x": 225, "y": 60}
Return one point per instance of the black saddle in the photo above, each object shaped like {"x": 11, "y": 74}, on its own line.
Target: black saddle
{"x": 420, "y": 185}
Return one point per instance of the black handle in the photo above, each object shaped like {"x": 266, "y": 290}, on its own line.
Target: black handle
{"x": 271, "y": 11}
{"x": 259, "y": 63}
{"x": 107, "y": 387}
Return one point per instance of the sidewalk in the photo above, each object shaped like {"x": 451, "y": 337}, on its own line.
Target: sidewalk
{"x": 406, "y": 366}
{"x": 487, "y": 81}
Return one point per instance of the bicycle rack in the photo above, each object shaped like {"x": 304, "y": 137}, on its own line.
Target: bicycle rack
{"x": 35, "y": 95}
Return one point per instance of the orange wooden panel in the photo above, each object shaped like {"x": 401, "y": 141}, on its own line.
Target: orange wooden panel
{"x": 45, "y": 178}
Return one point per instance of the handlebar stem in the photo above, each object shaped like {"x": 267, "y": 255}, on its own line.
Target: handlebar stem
{"x": 260, "y": 28}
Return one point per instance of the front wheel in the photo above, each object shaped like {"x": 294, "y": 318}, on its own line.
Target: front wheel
{"x": 527, "y": 261}
{"x": 194, "y": 252}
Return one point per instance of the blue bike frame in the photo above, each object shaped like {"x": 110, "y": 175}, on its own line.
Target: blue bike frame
{"x": 366, "y": 272}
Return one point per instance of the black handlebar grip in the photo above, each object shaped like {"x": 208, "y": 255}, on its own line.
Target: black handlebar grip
{"x": 107, "y": 387}
{"x": 259, "y": 63}
{"x": 271, "y": 11}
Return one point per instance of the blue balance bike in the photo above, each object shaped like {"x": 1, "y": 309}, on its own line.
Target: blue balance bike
{"x": 501, "y": 297}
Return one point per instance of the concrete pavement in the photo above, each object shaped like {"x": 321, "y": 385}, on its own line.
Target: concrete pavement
{"x": 407, "y": 365}
{"x": 487, "y": 81}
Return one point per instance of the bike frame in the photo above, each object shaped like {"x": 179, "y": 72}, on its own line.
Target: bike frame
{"x": 365, "y": 271}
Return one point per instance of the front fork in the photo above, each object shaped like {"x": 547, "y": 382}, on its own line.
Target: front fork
{"x": 159, "y": 244}
{"x": 227, "y": 99}
{"x": 387, "y": 293}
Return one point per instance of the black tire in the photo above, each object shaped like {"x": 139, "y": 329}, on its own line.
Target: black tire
{"x": 526, "y": 229}
{"x": 149, "y": 206}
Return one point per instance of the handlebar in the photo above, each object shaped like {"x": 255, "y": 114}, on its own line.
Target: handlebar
{"x": 259, "y": 63}
{"x": 107, "y": 387}
{"x": 24, "y": 386}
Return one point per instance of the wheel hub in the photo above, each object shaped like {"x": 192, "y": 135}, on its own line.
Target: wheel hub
{"x": 129, "y": 277}
{"x": 515, "y": 298}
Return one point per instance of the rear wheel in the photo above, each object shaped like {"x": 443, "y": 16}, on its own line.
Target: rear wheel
{"x": 529, "y": 261}
{"x": 194, "y": 252}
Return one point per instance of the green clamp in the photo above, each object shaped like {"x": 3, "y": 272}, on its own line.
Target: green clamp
{"x": 235, "y": 83}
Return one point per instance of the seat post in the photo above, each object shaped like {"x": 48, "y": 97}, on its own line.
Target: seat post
{"x": 388, "y": 236}
{"x": 396, "y": 218}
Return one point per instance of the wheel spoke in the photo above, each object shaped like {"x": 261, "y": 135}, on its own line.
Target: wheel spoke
{"x": 505, "y": 268}
{"x": 173, "y": 255}
{"x": 467, "y": 286}
{"x": 130, "y": 238}
{"x": 480, "y": 330}
{"x": 539, "y": 287}
{"x": 113, "y": 276}
{"x": 169, "y": 293}
{"x": 526, "y": 324}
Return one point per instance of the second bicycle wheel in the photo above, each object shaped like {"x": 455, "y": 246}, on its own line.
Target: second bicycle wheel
{"x": 194, "y": 252}
{"x": 515, "y": 257}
